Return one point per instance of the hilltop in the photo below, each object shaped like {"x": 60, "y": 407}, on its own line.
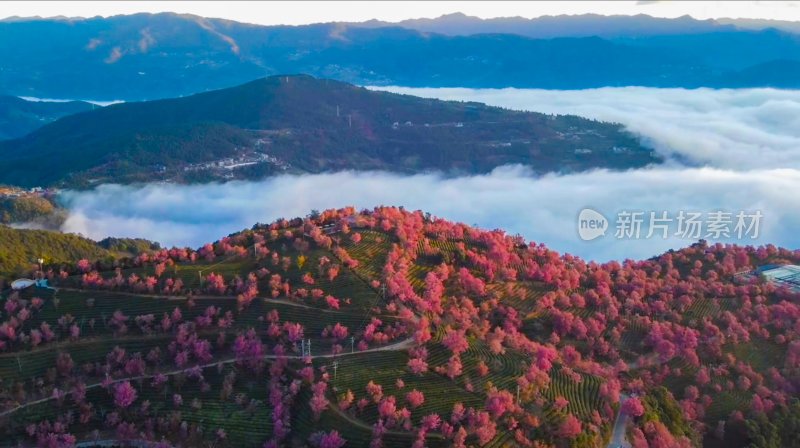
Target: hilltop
{"x": 387, "y": 327}
{"x": 19, "y": 117}
{"x": 22, "y": 248}
{"x": 148, "y": 56}
{"x": 300, "y": 124}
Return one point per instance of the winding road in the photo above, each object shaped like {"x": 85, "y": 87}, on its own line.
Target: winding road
{"x": 618, "y": 439}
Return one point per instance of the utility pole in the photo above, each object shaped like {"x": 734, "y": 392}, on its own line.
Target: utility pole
{"x": 335, "y": 367}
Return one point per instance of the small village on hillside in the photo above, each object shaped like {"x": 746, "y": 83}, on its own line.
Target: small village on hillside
{"x": 18, "y": 192}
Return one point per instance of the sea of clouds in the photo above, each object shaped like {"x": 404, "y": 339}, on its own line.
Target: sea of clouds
{"x": 737, "y": 129}
{"x": 739, "y": 151}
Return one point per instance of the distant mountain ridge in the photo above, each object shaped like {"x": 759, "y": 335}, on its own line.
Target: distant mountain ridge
{"x": 149, "y": 56}
{"x": 583, "y": 25}
{"x": 549, "y": 27}
{"x": 19, "y": 117}
{"x": 300, "y": 124}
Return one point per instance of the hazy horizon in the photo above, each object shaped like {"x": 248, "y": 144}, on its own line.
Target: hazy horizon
{"x": 289, "y": 13}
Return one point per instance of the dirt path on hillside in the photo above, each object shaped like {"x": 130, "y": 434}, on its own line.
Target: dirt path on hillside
{"x": 196, "y": 297}
{"x": 397, "y": 346}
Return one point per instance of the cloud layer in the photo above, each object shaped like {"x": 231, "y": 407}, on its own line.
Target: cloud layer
{"x": 543, "y": 209}
{"x": 733, "y": 128}
{"x": 743, "y": 147}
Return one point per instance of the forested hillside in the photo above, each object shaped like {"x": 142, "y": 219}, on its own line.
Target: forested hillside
{"x": 389, "y": 327}
{"x": 29, "y": 209}
{"x": 21, "y": 248}
{"x": 300, "y": 124}
{"x": 19, "y": 117}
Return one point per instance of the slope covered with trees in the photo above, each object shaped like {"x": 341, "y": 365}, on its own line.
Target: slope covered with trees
{"x": 393, "y": 328}
{"x": 30, "y": 209}
{"x": 19, "y": 117}
{"x": 22, "y": 247}
{"x": 303, "y": 124}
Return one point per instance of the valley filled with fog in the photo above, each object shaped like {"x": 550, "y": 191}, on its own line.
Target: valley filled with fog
{"x": 729, "y": 150}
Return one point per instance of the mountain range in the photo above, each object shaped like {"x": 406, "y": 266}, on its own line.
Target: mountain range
{"x": 149, "y": 56}
{"x": 301, "y": 124}
{"x": 583, "y": 25}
